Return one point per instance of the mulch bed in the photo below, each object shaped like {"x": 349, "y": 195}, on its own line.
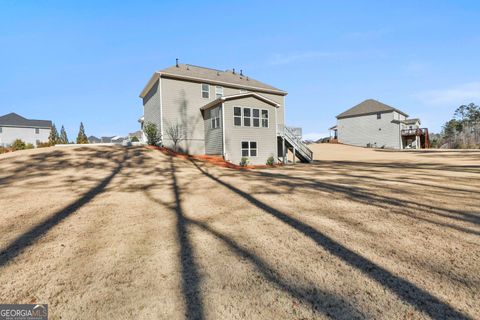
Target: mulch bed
{"x": 215, "y": 160}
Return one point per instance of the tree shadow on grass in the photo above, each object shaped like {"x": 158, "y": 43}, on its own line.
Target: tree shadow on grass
{"x": 408, "y": 292}
{"x": 29, "y": 237}
{"x": 319, "y": 301}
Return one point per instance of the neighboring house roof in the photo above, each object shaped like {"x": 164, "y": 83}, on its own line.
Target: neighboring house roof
{"x": 240, "y": 96}
{"x": 93, "y": 139}
{"x": 411, "y": 121}
{"x": 212, "y": 76}
{"x": 333, "y": 128}
{"x": 368, "y": 107}
{"x": 15, "y": 120}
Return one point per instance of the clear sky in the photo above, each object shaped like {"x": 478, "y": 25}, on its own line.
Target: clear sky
{"x": 88, "y": 60}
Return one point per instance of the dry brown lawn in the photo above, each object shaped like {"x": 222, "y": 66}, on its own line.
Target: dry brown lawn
{"x": 123, "y": 233}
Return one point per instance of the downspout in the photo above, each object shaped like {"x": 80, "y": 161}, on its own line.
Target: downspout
{"x": 276, "y": 135}
{"x": 223, "y": 132}
{"x": 161, "y": 108}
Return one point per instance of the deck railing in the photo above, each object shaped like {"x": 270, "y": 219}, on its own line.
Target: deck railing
{"x": 296, "y": 142}
{"x": 414, "y": 132}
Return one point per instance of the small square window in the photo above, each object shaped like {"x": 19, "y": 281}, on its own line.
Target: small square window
{"x": 244, "y": 144}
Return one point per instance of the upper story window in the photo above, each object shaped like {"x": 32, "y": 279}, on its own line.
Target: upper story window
{"x": 379, "y": 115}
{"x": 247, "y": 113}
{"x": 215, "y": 118}
{"x": 37, "y": 130}
{"x": 218, "y": 92}
{"x": 252, "y": 117}
{"x": 256, "y": 117}
{"x": 205, "y": 90}
{"x": 265, "y": 118}
{"x": 237, "y": 116}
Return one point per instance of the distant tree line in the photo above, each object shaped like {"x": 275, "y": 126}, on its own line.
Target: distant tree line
{"x": 462, "y": 131}
{"x": 55, "y": 138}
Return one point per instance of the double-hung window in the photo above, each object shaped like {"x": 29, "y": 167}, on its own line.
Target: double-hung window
{"x": 247, "y": 117}
{"x": 256, "y": 117}
{"x": 1, "y": 129}
{"x": 237, "y": 116}
{"x": 37, "y": 130}
{"x": 218, "y": 92}
{"x": 265, "y": 118}
{"x": 215, "y": 118}
{"x": 249, "y": 148}
{"x": 205, "y": 91}
{"x": 379, "y": 115}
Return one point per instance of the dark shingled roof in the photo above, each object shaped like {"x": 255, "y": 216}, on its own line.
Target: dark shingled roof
{"x": 368, "y": 107}
{"x": 15, "y": 120}
{"x": 227, "y": 76}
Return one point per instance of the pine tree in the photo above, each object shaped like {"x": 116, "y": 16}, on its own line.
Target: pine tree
{"x": 63, "y": 136}
{"x": 82, "y": 137}
{"x": 53, "y": 138}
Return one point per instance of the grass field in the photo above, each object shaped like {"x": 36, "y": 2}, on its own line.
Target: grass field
{"x": 112, "y": 232}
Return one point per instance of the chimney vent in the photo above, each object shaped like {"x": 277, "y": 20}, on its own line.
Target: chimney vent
{"x": 176, "y": 63}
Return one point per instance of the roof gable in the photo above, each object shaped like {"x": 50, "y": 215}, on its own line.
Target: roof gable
{"x": 368, "y": 107}
{"x": 15, "y": 120}
{"x": 240, "y": 96}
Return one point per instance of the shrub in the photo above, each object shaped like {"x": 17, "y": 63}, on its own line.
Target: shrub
{"x": 151, "y": 132}
{"x": 3, "y": 150}
{"x": 244, "y": 162}
{"x": 18, "y": 145}
{"x": 43, "y": 144}
{"x": 270, "y": 161}
{"x": 134, "y": 139}
{"x": 29, "y": 146}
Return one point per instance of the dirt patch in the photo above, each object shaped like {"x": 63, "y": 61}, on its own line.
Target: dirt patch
{"x": 98, "y": 232}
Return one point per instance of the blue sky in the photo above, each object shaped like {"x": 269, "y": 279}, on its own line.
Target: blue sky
{"x": 88, "y": 60}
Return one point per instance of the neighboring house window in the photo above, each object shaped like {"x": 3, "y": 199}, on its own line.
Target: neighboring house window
{"x": 37, "y": 131}
{"x": 249, "y": 148}
{"x": 265, "y": 118}
{"x": 218, "y": 92}
{"x": 1, "y": 129}
{"x": 247, "y": 114}
{"x": 256, "y": 117}
{"x": 205, "y": 90}
{"x": 215, "y": 118}
{"x": 379, "y": 115}
{"x": 237, "y": 116}
{"x": 411, "y": 127}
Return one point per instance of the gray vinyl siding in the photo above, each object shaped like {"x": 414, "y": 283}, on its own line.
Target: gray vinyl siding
{"x": 367, "y": 129}
{"x": 181, "y": 102}
{"x": 151, "y": 106}
{"x": 9, "y": 134}
{"x": 213, "y": 137}
{"x": 265, "y": 137}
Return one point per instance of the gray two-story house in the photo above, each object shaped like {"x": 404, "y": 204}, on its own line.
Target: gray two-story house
{"x": 374, "y": 124}
{"x": 14, "y": 126}
{"x": 223, "y": 113}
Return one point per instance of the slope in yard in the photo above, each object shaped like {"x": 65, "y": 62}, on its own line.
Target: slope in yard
{"x": 102, "y": 231}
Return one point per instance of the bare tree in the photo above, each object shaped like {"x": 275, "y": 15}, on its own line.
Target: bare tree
{"x": 176, "y": 132}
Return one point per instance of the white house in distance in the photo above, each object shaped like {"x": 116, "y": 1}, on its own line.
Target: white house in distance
{"x": 375, "y": 124}
{"x": 14, "y": 126}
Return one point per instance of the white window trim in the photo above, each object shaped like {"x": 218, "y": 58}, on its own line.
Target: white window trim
{"x": 249, "y": 149}
{"x": 251, "y": 117}
{"x": 215, "y": 119}
{"x": 217, "y": 91}
{"x": 201, "y": 90}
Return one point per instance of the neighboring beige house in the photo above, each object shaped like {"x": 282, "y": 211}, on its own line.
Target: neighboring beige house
{"x": 220, "y": 113}
{"x": 14, "y": 126}
{"x": 375, "y": 124}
